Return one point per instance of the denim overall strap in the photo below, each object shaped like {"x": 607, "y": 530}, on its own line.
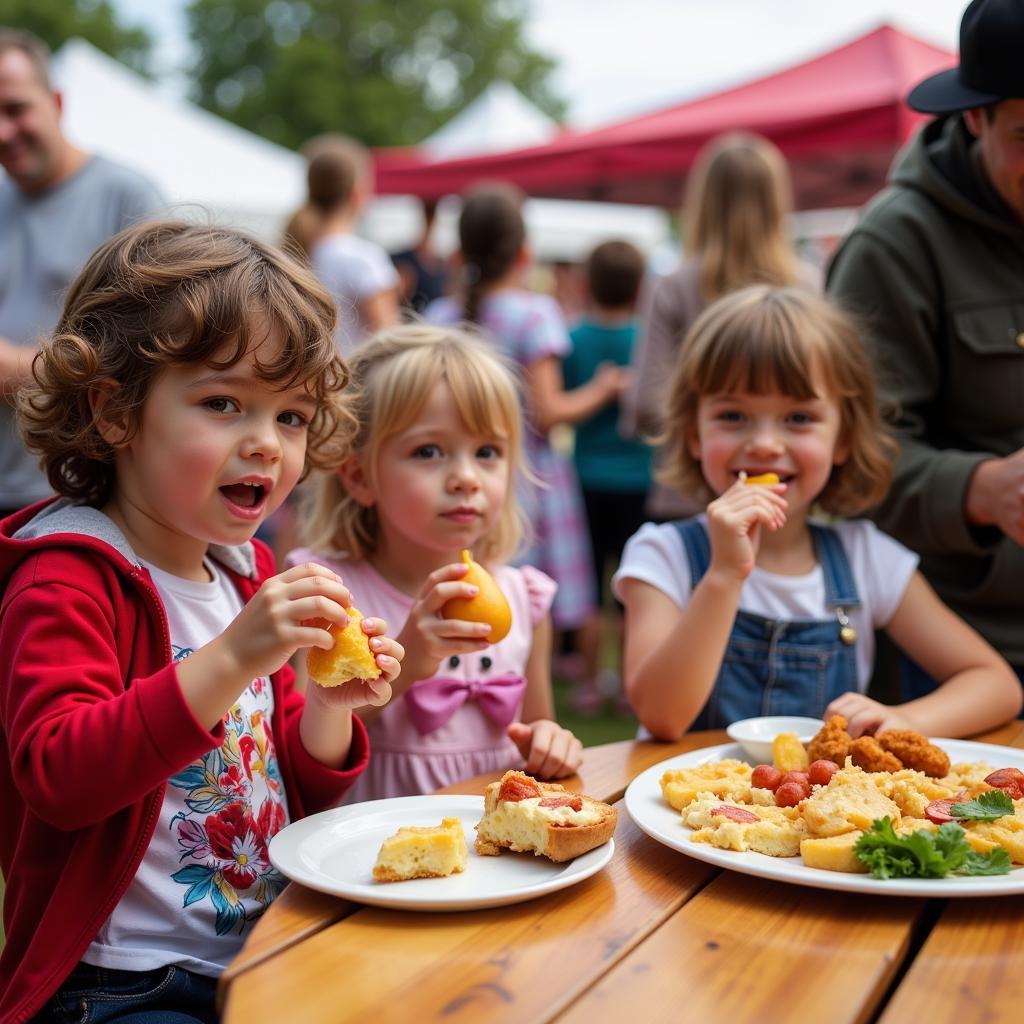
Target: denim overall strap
{"x": 697, "y": 545}
{"x": 772, "y": 666}
{"x": 840, "y": 588}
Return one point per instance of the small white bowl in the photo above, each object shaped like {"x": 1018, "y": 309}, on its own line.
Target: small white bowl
{"x": 755, "y": 735}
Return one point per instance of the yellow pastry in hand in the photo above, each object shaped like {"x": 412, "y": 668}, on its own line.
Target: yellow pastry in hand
{"x": 349, "y": 658}
{"x": 763, "y": 478}
{"x": 488, "y": 605}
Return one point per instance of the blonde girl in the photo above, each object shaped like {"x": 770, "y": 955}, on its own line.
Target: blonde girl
{"x": 756, "y": 607}
{"x": 431, "y": 473}
{"x": 529, "y": 330}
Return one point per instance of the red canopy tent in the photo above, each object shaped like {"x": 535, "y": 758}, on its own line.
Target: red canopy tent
{"x": 838, "y": 118}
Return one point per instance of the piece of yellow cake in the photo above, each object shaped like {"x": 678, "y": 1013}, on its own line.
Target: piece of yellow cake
{"x": 422, "y": 852}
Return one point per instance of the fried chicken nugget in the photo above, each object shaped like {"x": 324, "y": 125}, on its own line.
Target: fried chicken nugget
{"x": 831, "y": 742}
{"x": 867, "y": 753}
{"x": 915, "y": 751}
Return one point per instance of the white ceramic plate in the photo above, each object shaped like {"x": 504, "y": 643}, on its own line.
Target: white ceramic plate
{"x": 648, "y": 809}
{"x": 334, "y": 851}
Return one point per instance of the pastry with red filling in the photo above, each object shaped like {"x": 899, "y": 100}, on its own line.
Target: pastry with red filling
{"x": 541, "y": 818}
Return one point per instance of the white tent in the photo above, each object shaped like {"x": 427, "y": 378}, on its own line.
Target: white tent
{"x": 212, "y": 169}
{"x": 207, "y": 167}
{"x": 501, "y": 117}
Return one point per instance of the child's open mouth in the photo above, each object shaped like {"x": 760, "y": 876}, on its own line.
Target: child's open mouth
{"x": 246, "y": 496}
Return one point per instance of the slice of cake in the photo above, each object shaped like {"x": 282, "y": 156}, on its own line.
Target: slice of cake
{"x": 422, "y": 852}
{"x": 541, "y": 818}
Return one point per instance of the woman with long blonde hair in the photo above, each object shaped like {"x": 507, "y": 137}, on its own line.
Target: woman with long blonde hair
{"x": 738, "y": 200}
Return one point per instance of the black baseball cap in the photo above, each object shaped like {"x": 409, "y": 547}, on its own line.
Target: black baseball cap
{"x": 991, "y": 61}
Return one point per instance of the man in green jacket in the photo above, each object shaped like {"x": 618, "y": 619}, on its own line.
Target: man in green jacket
{"x": 935, "y": 270}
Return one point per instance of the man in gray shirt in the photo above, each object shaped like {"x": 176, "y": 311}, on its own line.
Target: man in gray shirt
{"x": 57, "y": 204}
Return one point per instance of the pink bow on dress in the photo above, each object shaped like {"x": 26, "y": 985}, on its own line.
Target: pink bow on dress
{"x": 431, "y": 702}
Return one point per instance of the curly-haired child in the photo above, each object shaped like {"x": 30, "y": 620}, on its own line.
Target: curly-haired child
{"x": 151, "y": 739}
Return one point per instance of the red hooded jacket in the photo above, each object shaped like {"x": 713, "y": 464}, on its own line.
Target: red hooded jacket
{"x": 92, "y": 725}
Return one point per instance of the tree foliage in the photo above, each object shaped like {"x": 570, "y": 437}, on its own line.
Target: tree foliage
{"x": 56, "y": 21}
{"x": 388, "y": 72}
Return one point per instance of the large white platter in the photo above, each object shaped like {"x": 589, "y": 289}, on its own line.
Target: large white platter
{"x": 335, "y": 851}
{"x": 648, "y": 809}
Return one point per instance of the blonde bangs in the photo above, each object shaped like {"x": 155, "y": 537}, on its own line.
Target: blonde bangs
{"x": 394, "y": 374}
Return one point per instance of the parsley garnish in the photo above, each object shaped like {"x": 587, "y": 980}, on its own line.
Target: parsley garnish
{"x": 987, "y": 807}
{"x": 924, "y": 854}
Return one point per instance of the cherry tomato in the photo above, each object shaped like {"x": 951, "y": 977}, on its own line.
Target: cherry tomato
{"x": 820, "y": 772}
{"x": 734, "y": 813}
{"x": 789, "y": 794}
{"x": 766, "y": 776}
{"x": 798, "y": 777}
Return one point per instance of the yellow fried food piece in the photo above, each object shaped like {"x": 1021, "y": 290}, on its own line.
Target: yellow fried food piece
{"x": 833, "y": 853}
{"x": 728, "y": 779}
{"x": 788, "y": 753}
{"x": 763, "y": 478}
{"x": 349, "y": 658}
{"x": 489, "y": 605}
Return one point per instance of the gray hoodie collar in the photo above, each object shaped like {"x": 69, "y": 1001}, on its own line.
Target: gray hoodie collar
{"x": 66, "y": 516}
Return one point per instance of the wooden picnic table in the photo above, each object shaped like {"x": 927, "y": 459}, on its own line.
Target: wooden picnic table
{"x": 656, "y": 934}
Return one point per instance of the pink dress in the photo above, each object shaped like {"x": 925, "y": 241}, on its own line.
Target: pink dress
{"x": 404, "y": 762}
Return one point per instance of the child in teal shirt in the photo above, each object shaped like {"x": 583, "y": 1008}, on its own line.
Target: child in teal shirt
{"x": 614, "y": 472}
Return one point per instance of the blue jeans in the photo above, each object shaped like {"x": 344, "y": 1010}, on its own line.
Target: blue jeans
{"x": 98, "y": 995}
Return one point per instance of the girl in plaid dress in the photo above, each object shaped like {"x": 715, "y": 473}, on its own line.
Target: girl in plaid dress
{"x": 530, "y": 331}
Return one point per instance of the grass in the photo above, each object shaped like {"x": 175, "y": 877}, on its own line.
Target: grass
{"x": 605, "y": 727}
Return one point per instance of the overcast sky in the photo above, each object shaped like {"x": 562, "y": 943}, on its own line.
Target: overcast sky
{"x": 621, "y": 57}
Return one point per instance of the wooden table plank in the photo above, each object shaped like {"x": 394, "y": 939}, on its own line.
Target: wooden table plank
{"x": 744, "y": 947}
{"x": 298, "y": 913}
{"x": 1009, "y": 735}
{"x": 972, "y": 965}
{"x": 517, "y": 963}
{"x": 971, "y": 968}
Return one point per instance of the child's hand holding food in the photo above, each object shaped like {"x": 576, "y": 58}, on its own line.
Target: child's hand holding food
{"x": 734, "y": 520}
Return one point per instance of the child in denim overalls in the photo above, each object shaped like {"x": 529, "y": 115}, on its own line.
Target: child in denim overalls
{"x": 753, "y": 608}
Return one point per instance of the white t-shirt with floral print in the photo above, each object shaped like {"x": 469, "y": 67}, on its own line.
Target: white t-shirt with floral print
{"x": 206, "y": 875}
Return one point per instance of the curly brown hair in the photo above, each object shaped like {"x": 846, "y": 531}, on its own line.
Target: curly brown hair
{"x": 764, "y": 338}
{"x": 166, "y": 293}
